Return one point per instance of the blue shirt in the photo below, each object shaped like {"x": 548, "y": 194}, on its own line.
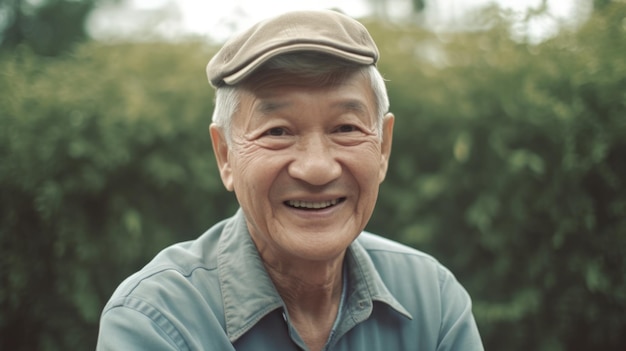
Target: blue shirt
{"x": 213, "y": 293}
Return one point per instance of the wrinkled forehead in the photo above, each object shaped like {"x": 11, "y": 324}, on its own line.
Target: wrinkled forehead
{"x": 274, "y": 94}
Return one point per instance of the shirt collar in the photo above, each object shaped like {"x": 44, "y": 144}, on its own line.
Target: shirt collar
{"x": 366, "y": 285}
{"x": 249, "y": 294}
{"x": 247, "y": 290}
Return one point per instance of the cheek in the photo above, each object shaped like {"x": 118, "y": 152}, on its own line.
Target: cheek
{"x": 364, "y": 162}
{"x": 253, "y": 169}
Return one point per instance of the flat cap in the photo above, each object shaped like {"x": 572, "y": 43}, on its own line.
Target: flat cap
{"x": 328, "y": 32}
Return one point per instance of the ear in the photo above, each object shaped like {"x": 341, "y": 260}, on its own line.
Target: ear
{"x": 385, "y": 151}
{"x": 221, "y": 150}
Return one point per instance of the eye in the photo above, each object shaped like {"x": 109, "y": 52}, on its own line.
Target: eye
{"x": 346, "y": 128}
{"x": 277, "y": 131}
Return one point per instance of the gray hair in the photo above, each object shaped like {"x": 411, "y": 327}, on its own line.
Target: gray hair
{"x": 318, "y": 67}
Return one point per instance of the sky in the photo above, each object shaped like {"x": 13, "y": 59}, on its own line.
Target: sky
{"x": 216, "y": 20}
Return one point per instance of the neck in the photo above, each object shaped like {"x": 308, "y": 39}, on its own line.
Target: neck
{"x": 309, "y": 281}
{"x": 312, "y": 294}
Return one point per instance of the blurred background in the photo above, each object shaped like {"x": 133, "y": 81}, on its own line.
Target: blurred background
{"x": 508, "y": 164}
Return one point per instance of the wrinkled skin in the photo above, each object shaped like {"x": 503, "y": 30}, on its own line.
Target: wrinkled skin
{"x": 305, "y": 164}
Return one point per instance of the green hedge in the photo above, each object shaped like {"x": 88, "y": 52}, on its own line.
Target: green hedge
{"x": 508, "y": 165}
{"x": 106, "y": 159}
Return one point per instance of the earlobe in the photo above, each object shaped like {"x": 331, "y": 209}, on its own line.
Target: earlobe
{"x": 221, "y": 150}
{"x": 387, "y": 137}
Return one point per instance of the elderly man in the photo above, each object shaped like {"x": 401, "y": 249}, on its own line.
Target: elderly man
{"x": 302, "y": 136}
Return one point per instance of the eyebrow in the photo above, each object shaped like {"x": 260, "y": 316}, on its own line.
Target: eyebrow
{"x": 353, "y": 106}
{"x": 267, "y": 107}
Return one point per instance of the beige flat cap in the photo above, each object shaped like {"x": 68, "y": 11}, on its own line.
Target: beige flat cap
{"x": 328, "y": 32}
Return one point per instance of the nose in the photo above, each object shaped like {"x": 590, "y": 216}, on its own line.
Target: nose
{"x": 315, "y": 162}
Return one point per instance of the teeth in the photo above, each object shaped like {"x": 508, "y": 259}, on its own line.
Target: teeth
{"x": 308, "y": 204}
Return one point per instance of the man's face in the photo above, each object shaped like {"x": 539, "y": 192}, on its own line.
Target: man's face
{"x": 305, "y": 164}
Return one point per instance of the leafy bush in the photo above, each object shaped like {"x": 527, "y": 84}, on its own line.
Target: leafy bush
{"x": 106, "y": 159}
{"x": 508, "y": 165}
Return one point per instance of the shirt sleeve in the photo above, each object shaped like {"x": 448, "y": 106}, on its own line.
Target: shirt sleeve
{"x": 130, "y": 329}
{"x": 458, "y": 328}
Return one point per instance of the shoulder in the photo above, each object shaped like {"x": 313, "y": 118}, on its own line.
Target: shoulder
{"x": 439, "y": 305}
{"x": 177, "y": 273}
{"x": 170, "y": 299}
{"x": 402, "y": 266}
{"x": 424, "y": 286}
{"x": 379, "y": 246}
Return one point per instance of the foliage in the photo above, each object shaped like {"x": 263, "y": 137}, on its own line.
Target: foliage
{"x": 105, "y": 160}
{"x": 49, "y": 27}
{"x": 507, "y": 165}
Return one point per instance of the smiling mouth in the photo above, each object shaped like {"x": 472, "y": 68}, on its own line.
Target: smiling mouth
{"x": 313, "y": 205}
